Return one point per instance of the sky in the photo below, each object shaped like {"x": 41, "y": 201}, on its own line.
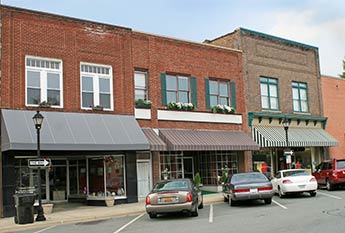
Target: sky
{"x": 320, "y": 23}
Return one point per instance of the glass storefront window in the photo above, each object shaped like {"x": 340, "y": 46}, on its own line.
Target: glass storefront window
{"x": 262, "y": 162}
{"x": 171, "y": 166}
{"x": 114, "y": 166}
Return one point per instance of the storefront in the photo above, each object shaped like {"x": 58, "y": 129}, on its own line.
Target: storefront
{"x": 207, "y": 152}
{"x": 304, "y": 139}
{"x": 92, "y": 156}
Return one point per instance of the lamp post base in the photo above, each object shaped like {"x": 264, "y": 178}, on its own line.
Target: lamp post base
{"x": 40, "y": 214}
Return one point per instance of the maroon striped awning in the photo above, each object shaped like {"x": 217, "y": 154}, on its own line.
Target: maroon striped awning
{"x": 207, "y": 140}
{"x": 156, "y": 143}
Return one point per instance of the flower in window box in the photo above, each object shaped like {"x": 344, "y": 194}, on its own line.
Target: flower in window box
{"x": 140, "y": 103}
{"x": 219, "y": 108}
{"x": 45, "y": 104}
{"x": 97, "y": 108}
{"x": 180, "y": 106}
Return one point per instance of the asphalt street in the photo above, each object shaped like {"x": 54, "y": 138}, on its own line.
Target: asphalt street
{"x": 293, "y": 214}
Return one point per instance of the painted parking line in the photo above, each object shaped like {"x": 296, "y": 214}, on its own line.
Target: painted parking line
{"x": 210, "y": 216}
{"x": 329, "y": 195}
{"x": 278, "y": 204}
{"x": 129, "y": 223}
{"x": 45, "y": 229}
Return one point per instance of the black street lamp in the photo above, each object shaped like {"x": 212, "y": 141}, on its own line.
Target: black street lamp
{"x": 38, "y": 119}
{"x": 286, "y": 124}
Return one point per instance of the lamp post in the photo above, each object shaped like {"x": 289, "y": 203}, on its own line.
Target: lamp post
{"x": 286, "y": 128}
{"x": 38, "y": 119}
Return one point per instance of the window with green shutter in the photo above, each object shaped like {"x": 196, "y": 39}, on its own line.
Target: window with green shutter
{"x": 220, "y": 92}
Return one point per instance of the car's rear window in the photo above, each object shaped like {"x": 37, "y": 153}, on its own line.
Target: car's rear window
{"x": 248, "y": 178}
{"x": 171, "y": 185}
{"x": 340, "y": 164}
{"x": 295, "y": 173}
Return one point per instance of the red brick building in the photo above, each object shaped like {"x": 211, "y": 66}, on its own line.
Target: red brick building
{"x": 122, "y": 109}
{"x": 333, "y": 101}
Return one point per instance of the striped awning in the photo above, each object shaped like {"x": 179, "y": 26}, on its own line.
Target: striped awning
{"x": 156, "y": 143}
{"x": 206, "y": 140}
{"x": 272, "y": 136}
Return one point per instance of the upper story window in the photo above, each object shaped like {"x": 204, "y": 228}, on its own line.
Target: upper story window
{"x": 140, "y": 83}
{"x": 219, "y": 92}
{"x": 269, "y": 93}
{"x": 96, "y": 86}
{"x": 43, "y": 81}
{"x": 177, "y": 89}
{"x": 300, "y": 97}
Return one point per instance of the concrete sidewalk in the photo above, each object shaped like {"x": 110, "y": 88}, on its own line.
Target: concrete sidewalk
{"x": 88, "y": 213}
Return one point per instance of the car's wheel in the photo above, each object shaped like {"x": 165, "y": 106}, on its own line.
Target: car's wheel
{"x": 268, "y": 201}
{"x": 201, "y": 204}
{"x": 152, "y": 215}
{"x": 329, "y": 186}
{"x": 313, "y": 193}
{"x": 280, "y": 193}
{"x": 232, "y": 202}
{"x": 195, "y": 213}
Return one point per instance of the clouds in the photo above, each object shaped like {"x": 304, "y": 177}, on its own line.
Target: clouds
{"x": 311, "y": 27}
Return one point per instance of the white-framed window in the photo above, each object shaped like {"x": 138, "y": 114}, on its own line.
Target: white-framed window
{"x": 300, "y": 97}
{"x": 96, "y": 86}
{"x": 140, "y": 84}
{"x": 43, "y": 81}
{"x": 177, "y": 89}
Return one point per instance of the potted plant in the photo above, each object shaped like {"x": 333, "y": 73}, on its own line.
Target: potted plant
{"x": 197, "y": 180}
{"x": 45, "y": 104}
{"x": 141, "y": 103}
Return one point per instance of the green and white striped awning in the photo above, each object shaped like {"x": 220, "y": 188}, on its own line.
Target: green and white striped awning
{"x": 273, "y": 136}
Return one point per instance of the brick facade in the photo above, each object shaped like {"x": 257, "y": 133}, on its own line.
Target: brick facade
{"x": 333, "y": 100}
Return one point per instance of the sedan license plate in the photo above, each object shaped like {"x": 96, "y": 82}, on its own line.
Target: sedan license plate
{"x": 301, "y": 186}
{"x": 253, "y": 190}
{"x": 168, "y": 199}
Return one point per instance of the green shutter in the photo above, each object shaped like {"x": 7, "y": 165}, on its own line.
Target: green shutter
{"x": 194, "y": 94}
{"x": 207, "y": 93}
{"x": 164, "y": 89}
{"x": 233, "y": 94}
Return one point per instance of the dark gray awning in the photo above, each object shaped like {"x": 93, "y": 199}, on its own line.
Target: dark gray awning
{"x": 62, "y": 131}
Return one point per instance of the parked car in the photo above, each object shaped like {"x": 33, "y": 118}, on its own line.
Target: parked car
{"x": 294, "y": 181}
{"x": 247, "y": 186}
{"x": 179, "y": 195}
{"x": 330, "y": 173}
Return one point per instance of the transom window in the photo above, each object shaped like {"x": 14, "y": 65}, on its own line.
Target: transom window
{"x": 219, "y": 92}
{"x": 96, "y": 86}
{"x": 178, "y": 89}
{"x": 300, "y": 97}
{"x": 140, "y": 83}
{"x": 269, "y": 93}
{"x": 43, "y": 81}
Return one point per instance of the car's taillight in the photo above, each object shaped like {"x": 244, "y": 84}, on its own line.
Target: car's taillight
{"x": 189, "y": 197}
{"x": 312, "y": 179}
{"x": 148, "y": 200}
{"x": 240, "y": 190}
{"x": 265, "y": 189}
{"x": 287, "y": 181}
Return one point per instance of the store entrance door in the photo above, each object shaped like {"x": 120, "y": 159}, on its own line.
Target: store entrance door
{"x": 188, "y": 167}
{"x": 143, "y": 176}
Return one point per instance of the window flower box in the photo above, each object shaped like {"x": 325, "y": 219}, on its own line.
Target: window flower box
{"x": 180, "y": 106}
{"x": 223, "y": 109}
{"x": 140, "y": 103}
{"x": 97, "y": 108}
{"x": 45, "y": 104}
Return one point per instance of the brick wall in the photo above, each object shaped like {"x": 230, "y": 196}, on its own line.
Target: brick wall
{"x": 161, "y": 54}
{"x": 333, "y": 101}
{"x": 263, "y": 56}
{"x": 70, "y": 40}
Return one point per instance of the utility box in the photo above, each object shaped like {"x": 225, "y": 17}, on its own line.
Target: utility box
{"x": 24, "y": 203}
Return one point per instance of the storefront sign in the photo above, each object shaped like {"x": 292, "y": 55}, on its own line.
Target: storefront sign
{"x": 35, "y": 163}
{"x": 288, "y": 156}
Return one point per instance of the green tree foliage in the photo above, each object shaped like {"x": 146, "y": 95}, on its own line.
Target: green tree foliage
{"x": 343, "y": 74}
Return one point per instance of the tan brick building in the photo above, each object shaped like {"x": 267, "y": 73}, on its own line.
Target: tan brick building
{"x": 282, "y": 83}
{"x": 333, "y": 97}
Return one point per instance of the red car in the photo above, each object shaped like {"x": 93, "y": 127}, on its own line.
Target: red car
{"x": 330, "y": 173}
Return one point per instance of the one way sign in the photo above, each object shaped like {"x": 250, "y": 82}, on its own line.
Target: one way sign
{"x": 35, "y": 163}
